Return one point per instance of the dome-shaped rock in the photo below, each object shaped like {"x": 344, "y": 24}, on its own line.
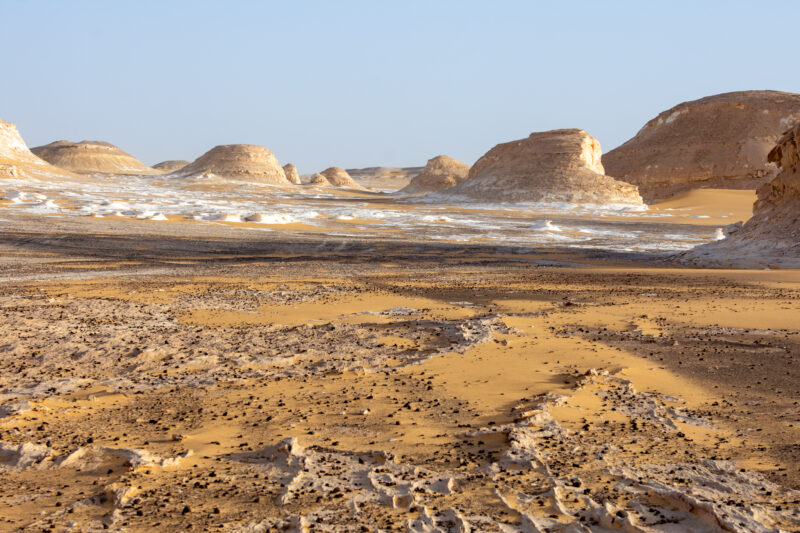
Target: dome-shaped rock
{"x": 441, "y": 172}
{"x": 245, "y": 162}
{"x": 91, "y": 157}
{"x": 719, "y": 141}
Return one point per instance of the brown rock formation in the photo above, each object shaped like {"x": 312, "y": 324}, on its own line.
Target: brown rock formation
{"x": 441, "y": 172}
{"x": 17, "y": 161}
{"x": 91, "y": 157}
{"x": 291, "y": 173}
{"x": 550, "y": 166}
{"x": 772, "y": 235}
{"x": 170, "y": 166}
{"x": 338, "y": 177}
{"x": 719, "y": 141}
{"x": 245, "y": 162}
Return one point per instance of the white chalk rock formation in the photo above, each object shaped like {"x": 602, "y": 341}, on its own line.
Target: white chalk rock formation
{"x": 550, "y": 166}
{"x": 17, "y": 160}
{"x": 772, "y": 235}
{"x": 441, "y": 172}
{"x": 291, "y": 173}
{"x": 91, "y": 157}
{"x": 245, "y": 162}
{"x": 338, "y": 177}
{"x": 719, "y": 141}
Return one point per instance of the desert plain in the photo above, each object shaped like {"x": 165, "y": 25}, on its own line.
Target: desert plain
{"x": 226, "y": 345}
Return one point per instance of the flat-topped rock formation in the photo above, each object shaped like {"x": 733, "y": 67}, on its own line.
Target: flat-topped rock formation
{"x": 91, "y": 157}
{"x": 170, "y": 166}
{"x": 719, "y": 142}
{"x": 549, "y": 166}
{"x": 441, "y": 172}
{"x": 772, "y": 235}
{"x": 291, "y": 173}
{"x": 245, "y": 162}
{"x": 17, "y": 160}
{"x": 338, "y": 177}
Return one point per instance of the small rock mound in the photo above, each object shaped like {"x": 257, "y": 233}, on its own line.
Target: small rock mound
{"x": 338, "y": 177}
{"x": 319, "y": 180}
{"x": 91, "y": 157}
{"x": 719, "y": 141}
{"x": 170, "y": 166}
{"x": 772, "y": 235}
{"x": 441, "y": 172}
{"x": 550, "y": 166}
{"x": 245, "y": 162}
{"x": 291, "y": 173}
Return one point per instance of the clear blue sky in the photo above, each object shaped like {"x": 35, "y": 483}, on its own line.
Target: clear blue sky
{"x": 368, "y": 83}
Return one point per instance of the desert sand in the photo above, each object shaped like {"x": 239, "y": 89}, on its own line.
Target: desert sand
{"x": 719, "y": 141}
{"x": 290, "y": 382}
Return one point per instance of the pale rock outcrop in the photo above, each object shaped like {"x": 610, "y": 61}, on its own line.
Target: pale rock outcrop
{"x": 441, "y": 172}
{"x": 338, "y": 177}
{"x": 719, "y": 141}
{"x": 245, "y": 162}
{"x": 319, "y": 180}
{"x": 17, "y": 160}
{"x": 549, "y": 166}
{"x": 170, "y": 166}
{"x": 91, "y": 157}
{"x": 772, "y": 235}
{"x": 291, "y": 173}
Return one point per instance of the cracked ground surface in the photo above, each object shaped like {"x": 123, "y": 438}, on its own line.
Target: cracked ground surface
{"x": 364, "y": 390}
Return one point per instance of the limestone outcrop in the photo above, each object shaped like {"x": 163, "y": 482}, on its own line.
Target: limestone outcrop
{"x": 17, "y": 160}
{"x": 319, "y": 180}
{"x": 338, "y": 177}
{"x": 719, "y": 141}
{"x": 91, "y": 157}
{"x": 772, "y": 235}
{"x": 550, "y": 166}
{"x": 291, "y": 173}
{"x": 441, "y": 172}
{"x": 245, "y": 162}
{"x": 170, "y": 166}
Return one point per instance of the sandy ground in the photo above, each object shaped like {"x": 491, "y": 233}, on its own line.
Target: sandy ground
{"x": 187, "y": 379}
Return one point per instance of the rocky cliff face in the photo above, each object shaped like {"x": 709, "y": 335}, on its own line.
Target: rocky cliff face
{"x": 338, "y": 177}
{"x": 441, "y": 172}
{"x": 719, "y": 141}
{"x": 91, "y": 157}
{"x": 772, "y": 235}
{"x": 170, "y": 166}
{"x": 550, "y": 166}
{"x": 291, "y": 173}
{"x": 17, "y": 160}
{"x": 245, "y": 162}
